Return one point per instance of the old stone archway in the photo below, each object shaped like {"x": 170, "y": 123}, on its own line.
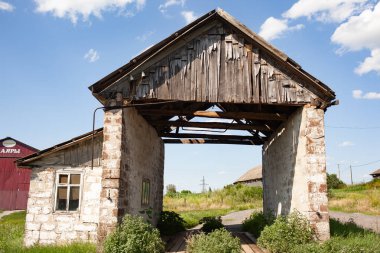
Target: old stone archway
{"x": 215, "y": 61}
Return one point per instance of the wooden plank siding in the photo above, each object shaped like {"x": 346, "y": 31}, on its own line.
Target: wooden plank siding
{"x": 219, "y": 66}
{"x": 77, "y": 155}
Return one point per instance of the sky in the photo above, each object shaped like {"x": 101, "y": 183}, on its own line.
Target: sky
{"x": 52, "y": 50}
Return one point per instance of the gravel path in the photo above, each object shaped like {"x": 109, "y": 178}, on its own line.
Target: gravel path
{"x": 5, "y": 213}
{"x": 366, "y": 221}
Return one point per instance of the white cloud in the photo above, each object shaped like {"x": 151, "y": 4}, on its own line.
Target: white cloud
{"x": 371, "y": 63}
{"x": 222, "y": 172}
{"x": 361, "y": 32}
{"x": 73, "y": 9}
{"x": 4, "y": 6}
{"x": 358, "y": 94}
{"x": 274, "y": 28}
{"x": 92, "y": 55}
{"x": 189, "y": 16}
{"x": 168, "y": 3}
{"x": 145, "y": 36}
{"x": 326, "y": 10}
{"x": 346, "y": 144}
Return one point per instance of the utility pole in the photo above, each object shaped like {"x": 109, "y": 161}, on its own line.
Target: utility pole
{"x": 203, "y": 185}
{"x": 351, "y": 174}
{"x": 338, "y": 170}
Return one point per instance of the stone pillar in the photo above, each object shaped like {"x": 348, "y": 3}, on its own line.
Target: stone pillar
{"x": 132, "y": 153}
{"x": 112, "y": 161}
{"x": 294, "y": 169}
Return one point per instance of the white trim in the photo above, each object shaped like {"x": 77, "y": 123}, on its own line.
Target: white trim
{"x": 68, "y": 172}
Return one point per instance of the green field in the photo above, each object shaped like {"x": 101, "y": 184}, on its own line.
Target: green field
{"x": 360, "y": 198}
{"x": 11, "y": 238}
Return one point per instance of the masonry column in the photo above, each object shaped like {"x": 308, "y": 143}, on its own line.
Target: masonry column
{"x": 112, "y": 161}
{"x": 294, "y": 169}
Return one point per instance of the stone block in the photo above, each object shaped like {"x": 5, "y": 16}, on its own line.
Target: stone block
{"x": 48, "y": 227}
{"x": 48, "y": 235}
{"x": 32, "y": 226}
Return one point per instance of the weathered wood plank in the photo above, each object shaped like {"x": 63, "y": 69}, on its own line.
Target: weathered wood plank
{"x": 212, "y": 125}
{"x": 203, "y": 141}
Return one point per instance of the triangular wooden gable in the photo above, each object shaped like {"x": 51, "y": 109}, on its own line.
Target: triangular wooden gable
{"x": 217, "y": 60}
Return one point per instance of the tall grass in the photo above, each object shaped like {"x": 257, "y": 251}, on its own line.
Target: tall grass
{"x": 12, "y": 233}
{"x": 239, "y": 197}
{"x": 362, "y": 198}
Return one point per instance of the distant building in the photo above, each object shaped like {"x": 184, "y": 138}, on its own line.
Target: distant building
{"x": 376, "y": 174}
{"x": 14, "y": 181}
{"x": 253, "y": 177}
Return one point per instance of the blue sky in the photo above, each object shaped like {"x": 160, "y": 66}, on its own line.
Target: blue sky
{"x": 52, "y": 50}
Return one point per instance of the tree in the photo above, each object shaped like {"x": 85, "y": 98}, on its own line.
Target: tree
{"x": 333, "y": 182}
{"x": 171, "y": 190}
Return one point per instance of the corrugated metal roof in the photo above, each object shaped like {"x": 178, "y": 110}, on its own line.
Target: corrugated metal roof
{"x": 255, "y": 173}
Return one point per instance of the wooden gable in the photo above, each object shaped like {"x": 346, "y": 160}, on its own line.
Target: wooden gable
{"x": 217, "y": 61}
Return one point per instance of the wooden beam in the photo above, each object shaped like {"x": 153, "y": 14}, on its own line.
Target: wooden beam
{"x": 203, "y": 141}
{"x": 213, "y": 125}
{"x": 211, "y": 136}
{"x": 212, "y": 114}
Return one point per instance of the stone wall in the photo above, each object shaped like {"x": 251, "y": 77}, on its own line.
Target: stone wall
{"x": 132, "y": 152}
{"x": 294, "y": 169}
{"x": 46, "y": 226}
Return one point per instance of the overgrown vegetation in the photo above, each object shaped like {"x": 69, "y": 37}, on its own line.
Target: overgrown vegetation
{"x": 361, "y": 198}
{"x": 11, "y": 238}
{"x": 286, "y": 233}
{"x": 134, "y": 234}
{"x": 170, "y": 223}
{"x": 194, "y": 206}
{"x": 232, "y": 196}
{"x": 218, "y": 241}
{"x": 211, "y": 223}
{"x": 194, "y": 217}
{"x": 293, "y": 234}
{"x": 257, "y": 222}
{"x": 333, "y": 182}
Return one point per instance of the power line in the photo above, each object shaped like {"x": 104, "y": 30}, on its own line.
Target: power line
{"x": 366, "y": 163}
{"x": 354, "y": 128}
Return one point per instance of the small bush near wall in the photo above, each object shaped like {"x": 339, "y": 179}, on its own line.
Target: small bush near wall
{"x": 219, "y": 241}
{"x": 286, "y": 233}
{"x": 134, "y": 234}
{"x": 170, "y": 223}
{"x": 257, "y": 222}
{"x": 211, "y": 223}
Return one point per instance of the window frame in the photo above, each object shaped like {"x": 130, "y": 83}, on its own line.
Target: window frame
{"x": 145, "y": 200}
{"x": 68, "y": 185}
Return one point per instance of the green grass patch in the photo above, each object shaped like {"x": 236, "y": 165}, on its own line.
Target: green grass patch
{"x": 12, "y": 233}
{"x": 192, "y": 218}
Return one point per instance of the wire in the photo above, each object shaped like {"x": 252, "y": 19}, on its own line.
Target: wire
{"x": 366, "y": 164}
{"x": 358, "y": 128}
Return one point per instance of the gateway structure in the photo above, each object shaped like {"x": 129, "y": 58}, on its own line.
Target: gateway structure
{"x": 214, "y": 62}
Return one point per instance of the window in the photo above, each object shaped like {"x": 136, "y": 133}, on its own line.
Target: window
{"x": 145, "y": 196}
{"x": 68, "y": 192}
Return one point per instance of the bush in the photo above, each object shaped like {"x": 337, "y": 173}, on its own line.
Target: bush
{"x": 333, "y": 182}
{"x": 219, "y": 241}
{"x": 286, "y": 233}
{"x": 134, "y": 235}
{"x": 211, "y": 223}
{"x": 367, "y": 243}
{"x": 257, "y": 222}
{"x": 170, "y": 223}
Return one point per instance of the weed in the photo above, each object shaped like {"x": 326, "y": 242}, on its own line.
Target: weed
{"x": 219, "y": 241}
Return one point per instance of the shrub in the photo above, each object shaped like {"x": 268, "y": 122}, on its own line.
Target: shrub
{"x": 257, "y": 222}
{"x": 333, "y": 182}
{"x": 170, "y": 223}
{"x": 134, "y": 235}
{"x": 211, "y": 223}
{"x": 218, "y": 241}
{"x": 286, "y": 233}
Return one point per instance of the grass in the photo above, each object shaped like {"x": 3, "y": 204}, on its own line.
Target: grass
{"x": 194, "y": 206}
{"x": 360, "y": 198}
{"x": 12, "y": 233}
